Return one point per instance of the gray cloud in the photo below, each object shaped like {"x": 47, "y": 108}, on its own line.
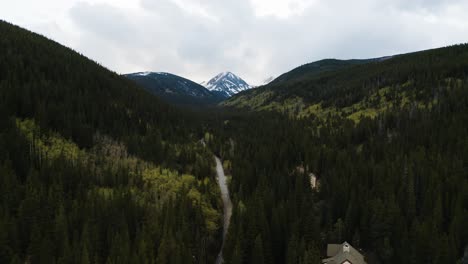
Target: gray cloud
{"x": 103, "y": 20}
{"x": 199, "y": 38}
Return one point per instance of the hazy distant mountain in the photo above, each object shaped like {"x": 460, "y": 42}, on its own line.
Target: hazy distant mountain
{"x": 226, "y": 84}
{"x": 265, "y": 82}
{"x": 268, "y": 80}
{"x": 173, "y": 88}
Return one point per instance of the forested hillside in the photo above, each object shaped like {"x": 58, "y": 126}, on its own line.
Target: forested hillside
{"x": 388, "y": 142}
{"x": 93, "y": 168}
{"x": 366, "y": 88}
{"x": 318, "y": 67}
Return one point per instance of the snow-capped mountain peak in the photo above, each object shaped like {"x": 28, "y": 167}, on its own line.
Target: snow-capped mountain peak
{"x": 227, "y": 84}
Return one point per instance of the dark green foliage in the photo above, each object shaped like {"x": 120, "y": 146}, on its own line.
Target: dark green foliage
{"x": 419, "y": 74}
{"x": 318, "y": 67}
{"x": 79, "y": 149}
{"x": 67, "y": 92}
{"x": 395, "y": 186}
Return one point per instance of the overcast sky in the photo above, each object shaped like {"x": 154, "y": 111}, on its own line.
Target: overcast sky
{"x": 254, "y": 39}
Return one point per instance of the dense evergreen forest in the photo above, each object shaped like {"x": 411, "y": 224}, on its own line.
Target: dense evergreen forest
{"x": 93, "y": 169}
{"x": 388, "y": 142}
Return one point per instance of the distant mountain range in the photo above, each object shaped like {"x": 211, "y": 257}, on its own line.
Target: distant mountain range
{"x": 227, "y": 84}
{"x": 179, "y": 90}
{"x": 174, "y": 89}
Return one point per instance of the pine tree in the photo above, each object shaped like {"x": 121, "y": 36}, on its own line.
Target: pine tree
{"x": 257, "y": 253}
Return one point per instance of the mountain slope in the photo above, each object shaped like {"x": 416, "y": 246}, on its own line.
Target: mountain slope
{"x": 226, "y": 84}
{"x": 173, "y": 88}
{"x": 93, "y": 168}
{"x": 315, "y": 68}
{"x": 363, "y": 88}
{"x": 388, "y": 143}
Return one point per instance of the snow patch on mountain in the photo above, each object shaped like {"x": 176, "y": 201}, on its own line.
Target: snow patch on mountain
{"x": 142, "y": 73}
{"x": 146, "y": 73}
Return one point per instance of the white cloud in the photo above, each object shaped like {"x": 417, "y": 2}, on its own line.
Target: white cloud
{"x": 281, "y": 8}
{"x": 255, "y": 39}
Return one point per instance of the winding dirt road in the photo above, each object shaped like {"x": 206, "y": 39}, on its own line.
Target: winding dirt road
{"x": 227, "y": 204}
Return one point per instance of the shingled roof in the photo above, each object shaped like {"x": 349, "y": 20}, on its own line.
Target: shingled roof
{"x": 340, "y": 253}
